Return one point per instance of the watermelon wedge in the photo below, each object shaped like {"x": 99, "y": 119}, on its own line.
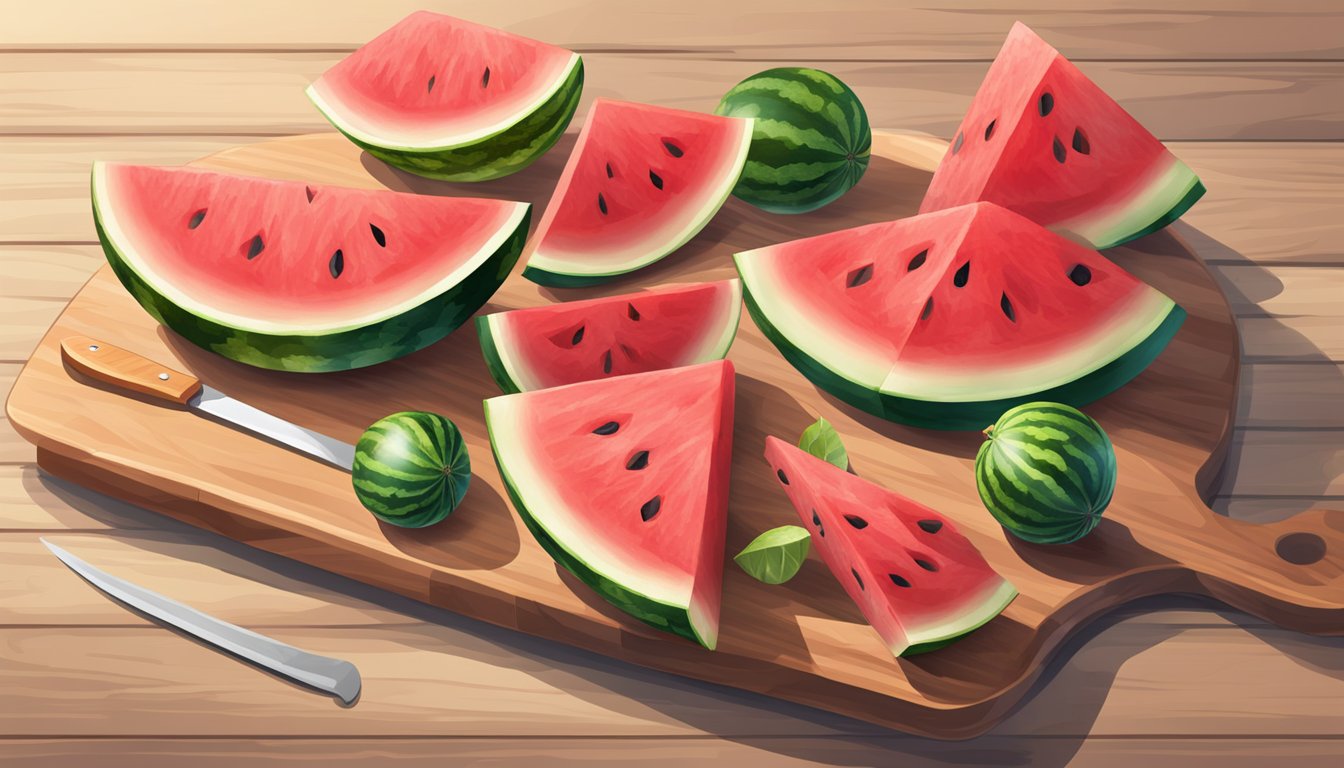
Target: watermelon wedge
{"x": 301, "y": 277}
{"x": 915, "y": 577}
{"x": 449, "y": 99}
{"x": 624, "y": 482}
{"x": 948, "y": 319}
{"x": 666, "y": 327}
{"x": 1042, "y": 139}
{"x": 642, "y": 181}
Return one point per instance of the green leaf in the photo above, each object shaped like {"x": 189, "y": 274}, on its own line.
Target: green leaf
{"x": 775, "y": 556}
{"x": 822, "y": 441}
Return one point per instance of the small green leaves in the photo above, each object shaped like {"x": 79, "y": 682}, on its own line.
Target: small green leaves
{"x": 822, "y": 441}
{"x": 775, "y": 556}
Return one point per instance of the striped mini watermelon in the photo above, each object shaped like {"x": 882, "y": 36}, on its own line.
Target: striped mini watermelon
{"x": 810, "y": 143}
{"x": 1046, "y": 472}
{"x": 411, "y": 468}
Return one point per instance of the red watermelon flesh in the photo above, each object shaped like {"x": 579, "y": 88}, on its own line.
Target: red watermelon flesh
{"x": 666, "y": 327}
{"x": 641, "y": 182}
{"x": 914, "y": 576}
{"x": 624, "y": 482}
{"x": 1042, "y": 139}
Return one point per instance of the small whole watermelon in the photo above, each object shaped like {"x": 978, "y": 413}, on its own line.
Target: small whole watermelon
{"x": 411, "y": 468}
{"x": 1046, "y": 472}
{"x": 811, "y": 141}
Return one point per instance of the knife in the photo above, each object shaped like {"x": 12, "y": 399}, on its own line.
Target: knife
{"x": 333, "y": 676}
{"x": 131, "y": 372}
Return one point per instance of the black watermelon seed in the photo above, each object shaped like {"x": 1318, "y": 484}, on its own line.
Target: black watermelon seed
{"x": 928, "y": 309}
{"x": 989, "y": 129}
{"x": 956, "y": 145}
{"x": 898, "y": 580}
{"x": 255, "y": 247}
{"x": 917, "y": 261}
{"x": 378, "y": 235}
{"x": 656, "y": 179}
{"x": 860, "y": 276}
{"x": 821, "y": 531}
{"x": 856, "y": 521}
{"x": 485, "y": 78}
{"x": 310, "y": 193}
{"x": 816, "y": 520}
{"x": 673, "y": 149}
{"x": 931, "y": 526}
{"x": 601, "y": 203}
{"x": 337, "y": 263}
{"x": 610, "y": 173}
{"x": 1046, "y": 104}
{"x": 606, "y": 362}
{"x": 962, "y": 275}
{"x": 578, "y": 336}
{"x": 783, "y": 478}
{"x": 1059, "y": 150}
{"x": 1080, "y": 144}
{"x": 607, "y": 429}
{"x": 631, "y": 311}
{"x": 857, "y": 577}
{"x": 196, "y": 219}
{"x": 650, "y": 508}
{"x": 639, "y": 460}
{"x": 925, "y": 564}
{"x": 429, "y": 88}
{"x": 1080, "y": 275}
{"x": 1007, "y": 307}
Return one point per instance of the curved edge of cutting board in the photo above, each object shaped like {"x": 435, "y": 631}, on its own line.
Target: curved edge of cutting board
{"x": 943, "y": 695}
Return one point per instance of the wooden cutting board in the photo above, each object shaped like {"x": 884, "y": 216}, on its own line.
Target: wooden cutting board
{"x": 803, "y": 641}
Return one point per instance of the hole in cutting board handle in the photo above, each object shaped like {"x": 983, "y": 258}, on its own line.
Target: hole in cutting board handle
{"x": 1300, "y": 548}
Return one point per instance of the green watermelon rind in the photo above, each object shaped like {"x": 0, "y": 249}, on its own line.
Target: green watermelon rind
{"x": 966, "y": 622}
{"x": 970, "y": 414}
{"x": 498, "y": 371}
{"x": 789, "y": 139}
{"x": 379, "y": 485}
{"x": 661, "y": 615}
{"x": 491, "y": 157}
{"x": 1156, "y": 205}
{"x": 341, "y": 350}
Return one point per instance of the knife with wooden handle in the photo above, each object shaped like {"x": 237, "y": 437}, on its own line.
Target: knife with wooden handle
{"x": 134, "y": 373}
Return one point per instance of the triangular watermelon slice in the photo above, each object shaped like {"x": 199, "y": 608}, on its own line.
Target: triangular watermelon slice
{"x": 948, "y": 319}
{"x": 624, "y": 482}
{"x": 642, "y": 181}
{"x": 575, "y": 341}
{"x": 1042, "y": 139}
{"x": 301, "y": 277}
{"x": 450, "y": 99}
{"x": 915, "y": 577}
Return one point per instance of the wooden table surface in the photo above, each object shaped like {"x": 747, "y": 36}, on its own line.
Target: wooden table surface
{"x": 1250, "y": 94}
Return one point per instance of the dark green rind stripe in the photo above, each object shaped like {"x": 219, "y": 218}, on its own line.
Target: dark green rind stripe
{"x": 971, "y": 414}
{"x": 495, "y": 156}
{"x": 431, "y": 483}
{"x": 493, "y": 363}
{"x": 356, "y": 348}
{"x": 551, "y": 279}
{"x": 1176, "y": 212}
{"x": 660, "y": 615}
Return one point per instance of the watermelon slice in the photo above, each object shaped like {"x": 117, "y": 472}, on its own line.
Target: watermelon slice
{"x": 624, "y": 481}
{"x": 449, "y": 99}
{"x": 1042, "y": 139}
{"x": 948, "y": 319}
{"x": 300, "y": 277}
{"x": 915, "y": 577}
{"x": 642, "y": 181}
{"x": 576, "y": 341}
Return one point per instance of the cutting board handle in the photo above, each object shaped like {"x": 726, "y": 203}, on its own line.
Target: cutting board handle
{"x": 127, "y": 370}
{"x": 1290, "y": 572}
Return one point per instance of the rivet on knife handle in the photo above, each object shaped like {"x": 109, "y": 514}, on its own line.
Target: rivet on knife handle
{"x": 116, "y": 366}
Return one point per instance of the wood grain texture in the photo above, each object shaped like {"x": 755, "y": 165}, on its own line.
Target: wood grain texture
{"x": 263, "y": 93}
{"x": 765, "y": 29}
{"x": 798, "y": 642}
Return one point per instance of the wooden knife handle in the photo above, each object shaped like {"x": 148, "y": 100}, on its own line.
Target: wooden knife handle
{"x": 127, "y": 370}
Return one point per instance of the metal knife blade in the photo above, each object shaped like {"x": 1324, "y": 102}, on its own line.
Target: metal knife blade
{"x": 334, "y": 676}
{"x": 219, "y": 405}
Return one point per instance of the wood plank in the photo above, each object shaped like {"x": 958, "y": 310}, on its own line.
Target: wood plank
{"x": 1277, "y": 395}
{"x": 1132, "y": 678}
{"x": 45, "y": 272}
{"x": 1263, "y": 510}
{"x": 1280, "y": 462}
{"x": 665, "y": 752}
{"x": 867, "y": 29}
{"x": 13, "y": 449}
{"x": 1304, "y": 339}
{"x": 201, "y": 93}
{"x": 34, "y": 502}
